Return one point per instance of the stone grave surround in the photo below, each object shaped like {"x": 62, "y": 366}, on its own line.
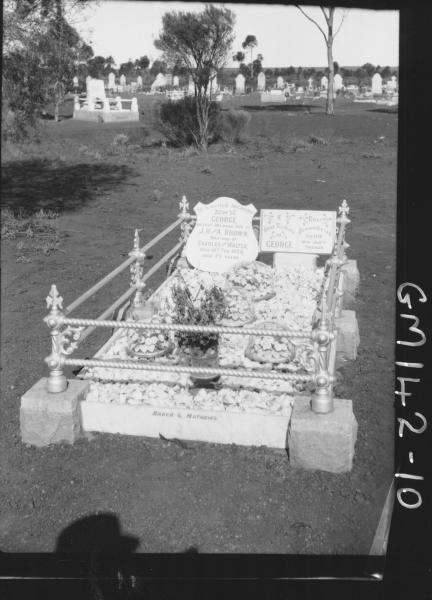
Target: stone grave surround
{"x": 314, "y": 441}
{"x": 99, "y": 108}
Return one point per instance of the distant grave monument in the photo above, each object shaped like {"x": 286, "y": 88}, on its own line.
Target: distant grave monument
{"x": 75, "y": 82}
{"x": 168, "y": 79}
{"x": 191, "y": 87}
{"x": 176, "y": 81}
{"x": 338, "y": 82}
{"x": 392, "y": 84}
{"x": 98, "y": 108}
{"x": 280, "y": 82}
{"x": 324, "y": 82}
{"x": 275, "y": 96}
{"x": 223, "y": 236}
{"x": 159, "y": 82}
{"x": 377, "y": 84}
{"x": 261, "y": 81}
{"x": 240, "y": 84}
{"x": 111, "y": 81}
{"x": 310, "y": 83}
{"x": 122, "y": 80}
{"x": 139, "y": 81}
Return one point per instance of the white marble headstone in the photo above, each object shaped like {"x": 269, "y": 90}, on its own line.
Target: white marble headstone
{"x": 175, "y": 81}
{"x": 122, "y": 80}
{"x": 139, "y": 81}
{"x": 377, "y": 84}
{"x": 240, "y": 84}
{"x": 75, "y": 81}
{"x": 280, "y": 82}
{"x": 160, "y": 81}
{"x": 324, "y": 82}
{"x": 111, "y": 81}
{"x": 191, "y": 87}
{"x": 261, "y": 81}
{"x": 338, "y": 82}
{"x": 222, "y": 236}
{"x": 95, "y": 89}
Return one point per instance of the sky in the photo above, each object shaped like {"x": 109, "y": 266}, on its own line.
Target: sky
{"x": 126, "y": 30}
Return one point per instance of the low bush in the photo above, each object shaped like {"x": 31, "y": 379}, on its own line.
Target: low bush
{"x": 233, "y": 124}
{"x": 38, "y": 232}
{"x": 317, "y": 141}
{"x": 178, "y": 121}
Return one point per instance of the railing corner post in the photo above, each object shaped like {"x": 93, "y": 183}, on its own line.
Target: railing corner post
{"x": 57, "y": 382}
{"x": 137, "y": 271}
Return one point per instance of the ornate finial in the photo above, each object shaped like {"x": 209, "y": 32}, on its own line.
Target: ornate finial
{"x": 136, "y": 252}
{"x": 323, "y": 309}
{"x": 343, "y": 212}
{"x": 136, "y": 239}
{"x": 54, "y": 300}
{"x": 184, "y": 207}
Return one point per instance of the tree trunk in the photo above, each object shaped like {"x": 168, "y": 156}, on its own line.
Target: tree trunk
{"x": 330, "y": 91}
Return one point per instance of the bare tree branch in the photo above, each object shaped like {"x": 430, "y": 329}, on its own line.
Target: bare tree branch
{"x": 344, "y": 15}
{"x": 312, "y": 20}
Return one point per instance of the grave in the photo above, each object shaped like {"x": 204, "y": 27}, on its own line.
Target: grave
{"x": 176, "y": 81}
{"x": 338, "y": 82}
{"x": 227, "y": 350}
{"x": 191, "y": 87}
{"x": 159, "y": 82}
{"x": 261, "y": 82}
{"x": 240, "y": 84}
{"x": 273, "y": 96}
{"x": 97, "y": 107}
{"x": 324, "y": 82}
{"x": 377, "y": 85}
{"x": 111, "y": 81}
{"x": 280, "y": 83}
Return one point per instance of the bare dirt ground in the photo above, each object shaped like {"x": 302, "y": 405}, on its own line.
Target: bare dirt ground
{"x": 202, "y": 497}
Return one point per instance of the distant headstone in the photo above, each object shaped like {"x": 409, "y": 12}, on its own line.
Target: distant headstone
{"x": 276, "y": 96}
{"x": 392, "y": 84}
{"x": 191, "y": 87}
{"x": 213, "y": 85}
{"x": 240, "y": 84}
{"x": 175, "y": 81}
{"x": 377, "y": 84}
{"x": 95, "y": 90}
{"x": 139, "y": 81}
{"x": 338, "y": 82}
{"x": 261, "y": 81}
{"x": 160, "y": 81}
{"x": 300, "y": 89}
{"x": 300, "y": 231}
{"x": 280, "y": 82}
{"x": 75, "y": 81}
{"x": 310, "y": 83}
{"x": 168, "y": 79}
{"x": 223, "y": 235}
{"x": 324, "y": 82}
{"x": 111, "y": 81}
{"x": 122, "y": 80}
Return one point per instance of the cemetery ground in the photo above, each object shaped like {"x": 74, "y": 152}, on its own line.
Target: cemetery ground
{"x": 93, "y": 189}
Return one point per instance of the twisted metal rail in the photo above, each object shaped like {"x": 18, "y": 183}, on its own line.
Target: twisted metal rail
{"x": 138, "y": 366}
{"x": 222, "y": 329}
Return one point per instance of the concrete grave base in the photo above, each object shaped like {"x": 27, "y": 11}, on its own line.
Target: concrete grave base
{"x": 99, "y": 116}
{"x": 348, "y": 337}
{"x": 47, "y": 418}
{"x": 200, "y": 425}
{"x": 322, "y": 441}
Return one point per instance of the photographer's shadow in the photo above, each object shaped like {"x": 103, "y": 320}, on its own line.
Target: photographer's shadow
{"x": 99, "y": 545}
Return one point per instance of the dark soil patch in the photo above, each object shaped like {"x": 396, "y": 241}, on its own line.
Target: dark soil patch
{"x": 206, "y": 497}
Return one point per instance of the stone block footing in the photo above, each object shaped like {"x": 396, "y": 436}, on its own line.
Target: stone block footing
{"x": 351, "y": 281}
{"x": 348, "y": 337}
{"x": 47, "y": 418}
{"x": 323, "y": 442}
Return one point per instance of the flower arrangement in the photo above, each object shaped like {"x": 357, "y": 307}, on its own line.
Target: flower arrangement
{"x": 255, "y": 278}
{"x": 239, "y": 310}
{"x": 148, "y": 343}
{"x": 270, "y": 349}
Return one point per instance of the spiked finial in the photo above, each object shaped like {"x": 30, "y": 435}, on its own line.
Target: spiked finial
{"x": 184, "y": 207}
{"x": 54, "y": 300}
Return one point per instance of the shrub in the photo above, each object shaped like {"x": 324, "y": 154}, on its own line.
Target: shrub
{"x": 178, "y": 121}
{"x": 317, "y": 141}
{"x": 233, "y": 124}
{"x": 119, "y": 145}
